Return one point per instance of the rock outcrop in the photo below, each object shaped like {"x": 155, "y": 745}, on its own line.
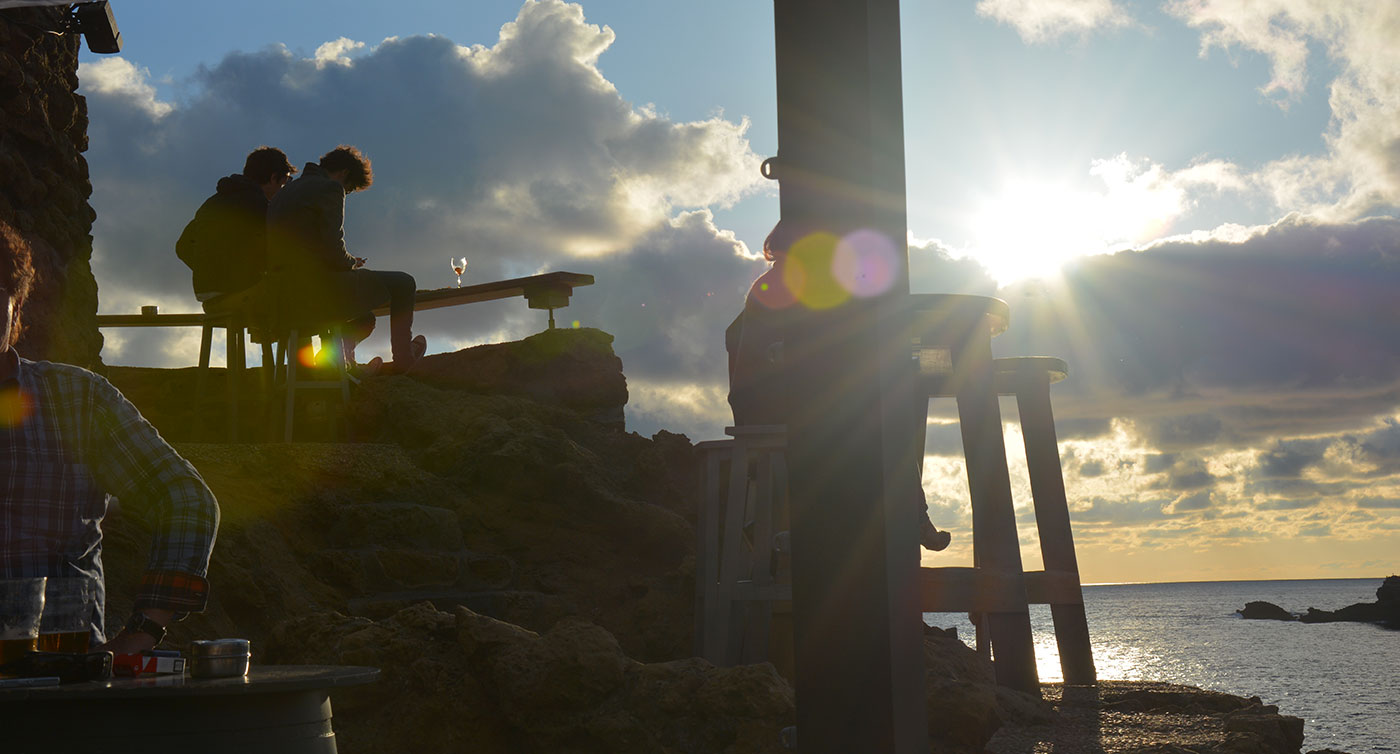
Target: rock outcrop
{"x": 45, "y": 187}
{"x": 1384, "y": 611}
{"x": 1265, "y": 611}
{"x": 1161, "y": 718}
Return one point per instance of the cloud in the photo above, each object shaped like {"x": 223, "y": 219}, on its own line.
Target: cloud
{"x": 1360, "y": 169}
{"x": 1046, "y": 20}
{"x": 1290, "y": 332}
{"x": 519, "y": 155}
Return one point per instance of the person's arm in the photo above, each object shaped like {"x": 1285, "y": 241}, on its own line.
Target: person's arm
{"x": 330, "y": 206}
{"x": 133, "y": 462}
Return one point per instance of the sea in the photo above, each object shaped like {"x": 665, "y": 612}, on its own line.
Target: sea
{"x": 1343, "y": 679}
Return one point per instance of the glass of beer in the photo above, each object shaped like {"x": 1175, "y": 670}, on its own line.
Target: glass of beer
{"x": 21, "y": 605}
{"x": 69, "y": 603}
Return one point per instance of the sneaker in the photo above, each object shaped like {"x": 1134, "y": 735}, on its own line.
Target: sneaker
{"x": 373, "y": 368}
{"x": 933, "y": 539}
{"x": 417, "y": 347}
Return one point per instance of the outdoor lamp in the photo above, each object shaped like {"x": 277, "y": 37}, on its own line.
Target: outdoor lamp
{"x": 98, "y": 25}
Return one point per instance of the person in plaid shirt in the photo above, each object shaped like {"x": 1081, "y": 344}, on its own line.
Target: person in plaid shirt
{"x": 68, "y": 440}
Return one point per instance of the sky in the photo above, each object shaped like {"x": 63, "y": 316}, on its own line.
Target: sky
{"x": 1196, "y": 203}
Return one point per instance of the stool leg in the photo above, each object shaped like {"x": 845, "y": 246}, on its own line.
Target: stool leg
{"x": 706, "y": 548}
{"x": 206, "y": 343}
{"x": 993, "y": 516}
{"x": 1052, "y": 521}
{"x": 759, "y": 614}
{"x": 292, "y": 352}
{"x": 233, "y": 365}
{"x": 723, "y": 609}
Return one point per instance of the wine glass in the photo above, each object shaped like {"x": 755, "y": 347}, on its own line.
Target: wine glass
{"x": 458, "y": 266}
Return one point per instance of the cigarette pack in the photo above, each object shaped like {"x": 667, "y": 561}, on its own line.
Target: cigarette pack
{"x": 147, "y": 664}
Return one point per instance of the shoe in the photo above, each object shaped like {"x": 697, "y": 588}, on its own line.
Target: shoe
{"x": 417, "y": 347}
{"x": 933, "y": 539}
{"x": 372, "y": 369}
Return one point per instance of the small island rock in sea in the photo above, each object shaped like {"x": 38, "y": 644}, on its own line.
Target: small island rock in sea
{"x": 1384, "y": 611}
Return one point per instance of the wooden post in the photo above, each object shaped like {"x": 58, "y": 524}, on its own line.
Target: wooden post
{"x": 852, "y": 449}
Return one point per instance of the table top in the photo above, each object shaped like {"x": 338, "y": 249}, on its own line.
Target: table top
{"x": 261, "y": 679}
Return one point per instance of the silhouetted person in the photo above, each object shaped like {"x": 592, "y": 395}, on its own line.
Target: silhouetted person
{"x": 68, "y": 440}
{"x": 758, "y": 378}
{"x": 225, "y": 245}
{"x": 306, "y": 250}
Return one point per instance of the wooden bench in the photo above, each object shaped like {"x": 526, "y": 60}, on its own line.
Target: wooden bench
{"x": 239, "y": 312}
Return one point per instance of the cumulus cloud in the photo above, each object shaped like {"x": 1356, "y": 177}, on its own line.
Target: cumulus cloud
{"x": 519, "y": 155}
{"x": 1045, "y": 20}
{"x": 1360, "y": 168}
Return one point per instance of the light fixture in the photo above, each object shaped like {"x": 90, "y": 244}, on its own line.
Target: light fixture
{"x": 98, "y": 25}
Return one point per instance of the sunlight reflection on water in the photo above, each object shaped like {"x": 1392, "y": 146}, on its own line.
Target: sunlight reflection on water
{"x": 1329, "y": 674}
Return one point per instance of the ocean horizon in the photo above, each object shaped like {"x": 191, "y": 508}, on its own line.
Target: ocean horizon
{"x": 1343, "y": 679}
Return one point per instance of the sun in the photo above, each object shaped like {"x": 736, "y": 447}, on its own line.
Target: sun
{"x": 1031, "y": 228}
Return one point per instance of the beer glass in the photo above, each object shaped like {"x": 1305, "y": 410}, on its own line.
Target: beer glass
{"x": 69, "y": 603}
{"x": 21, "y": 604}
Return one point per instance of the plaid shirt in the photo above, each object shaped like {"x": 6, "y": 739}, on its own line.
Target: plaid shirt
{"x": 68, "y": 440}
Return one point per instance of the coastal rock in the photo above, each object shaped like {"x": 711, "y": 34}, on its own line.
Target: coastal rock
{"x": 1388, "y": 593}
{"x": 1138, "y": 716}
{"x": 464, "y": 681}
{"x": 572, "y": 368}
{"x": 1384, "y": 611}
{"x": 503, "y": 504}
{"x": 1265, "y": 611}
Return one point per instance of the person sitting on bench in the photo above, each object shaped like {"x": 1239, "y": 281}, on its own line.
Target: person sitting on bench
{"x": 306, "y": 248}
{"x": 225, "y": 245}
{"x": 757, "y": 375}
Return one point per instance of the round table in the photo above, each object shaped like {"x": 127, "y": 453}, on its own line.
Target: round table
{"x": 275, "y": 709}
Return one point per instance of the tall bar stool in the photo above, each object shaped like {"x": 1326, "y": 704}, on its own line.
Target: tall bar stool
{"x": 742, "y": 517}
{"x": 237, "y": 313}
{"x": 740, "y": 580}
{"x": 293, "y": 379}
{"x": 953, "y": 347}
{"x": 980, "y": 591}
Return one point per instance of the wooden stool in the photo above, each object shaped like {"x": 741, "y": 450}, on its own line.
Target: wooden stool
{"x": 287, "y": 367}
{"x": 234, "y": 312}
{"x": 742, "y": 512}
{"x": 742, "y": 515}
{"x": 953, "y": 347}
{"x": 980, "y": 591}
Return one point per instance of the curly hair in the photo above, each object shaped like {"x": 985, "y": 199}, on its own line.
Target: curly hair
{"x": 16, "y": 271}
{"x": 359, "y": 174}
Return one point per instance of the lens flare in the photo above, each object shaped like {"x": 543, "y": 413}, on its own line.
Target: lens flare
{"x": 865, "y": 263}
{"x": 15, "y": 407}
{"x": 808, "y": 273}
{"x": 306, "y": 356}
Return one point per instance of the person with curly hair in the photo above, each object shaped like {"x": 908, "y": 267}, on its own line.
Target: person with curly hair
{"x": 321, "y": 279}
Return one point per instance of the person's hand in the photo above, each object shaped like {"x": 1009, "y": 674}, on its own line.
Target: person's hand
{"x": 136, "y": 642}
{"x": 127, "y": 643}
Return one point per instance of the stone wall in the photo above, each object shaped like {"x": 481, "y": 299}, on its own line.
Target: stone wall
{"x": 44, "y": 185}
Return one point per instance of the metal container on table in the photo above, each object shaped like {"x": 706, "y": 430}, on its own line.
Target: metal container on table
{"x": 219, "y": 658}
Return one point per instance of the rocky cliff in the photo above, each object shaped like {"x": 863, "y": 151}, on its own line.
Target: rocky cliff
{"x": 44, "y": 182}
{"x": 521, "y": 569}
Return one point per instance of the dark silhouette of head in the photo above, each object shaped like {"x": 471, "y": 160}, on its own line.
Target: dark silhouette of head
{"x": 780, "y": 239}
{"x": 267, "y": 164}
{"x": 16, "y": 274}
{"x": 358, "y": 173}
